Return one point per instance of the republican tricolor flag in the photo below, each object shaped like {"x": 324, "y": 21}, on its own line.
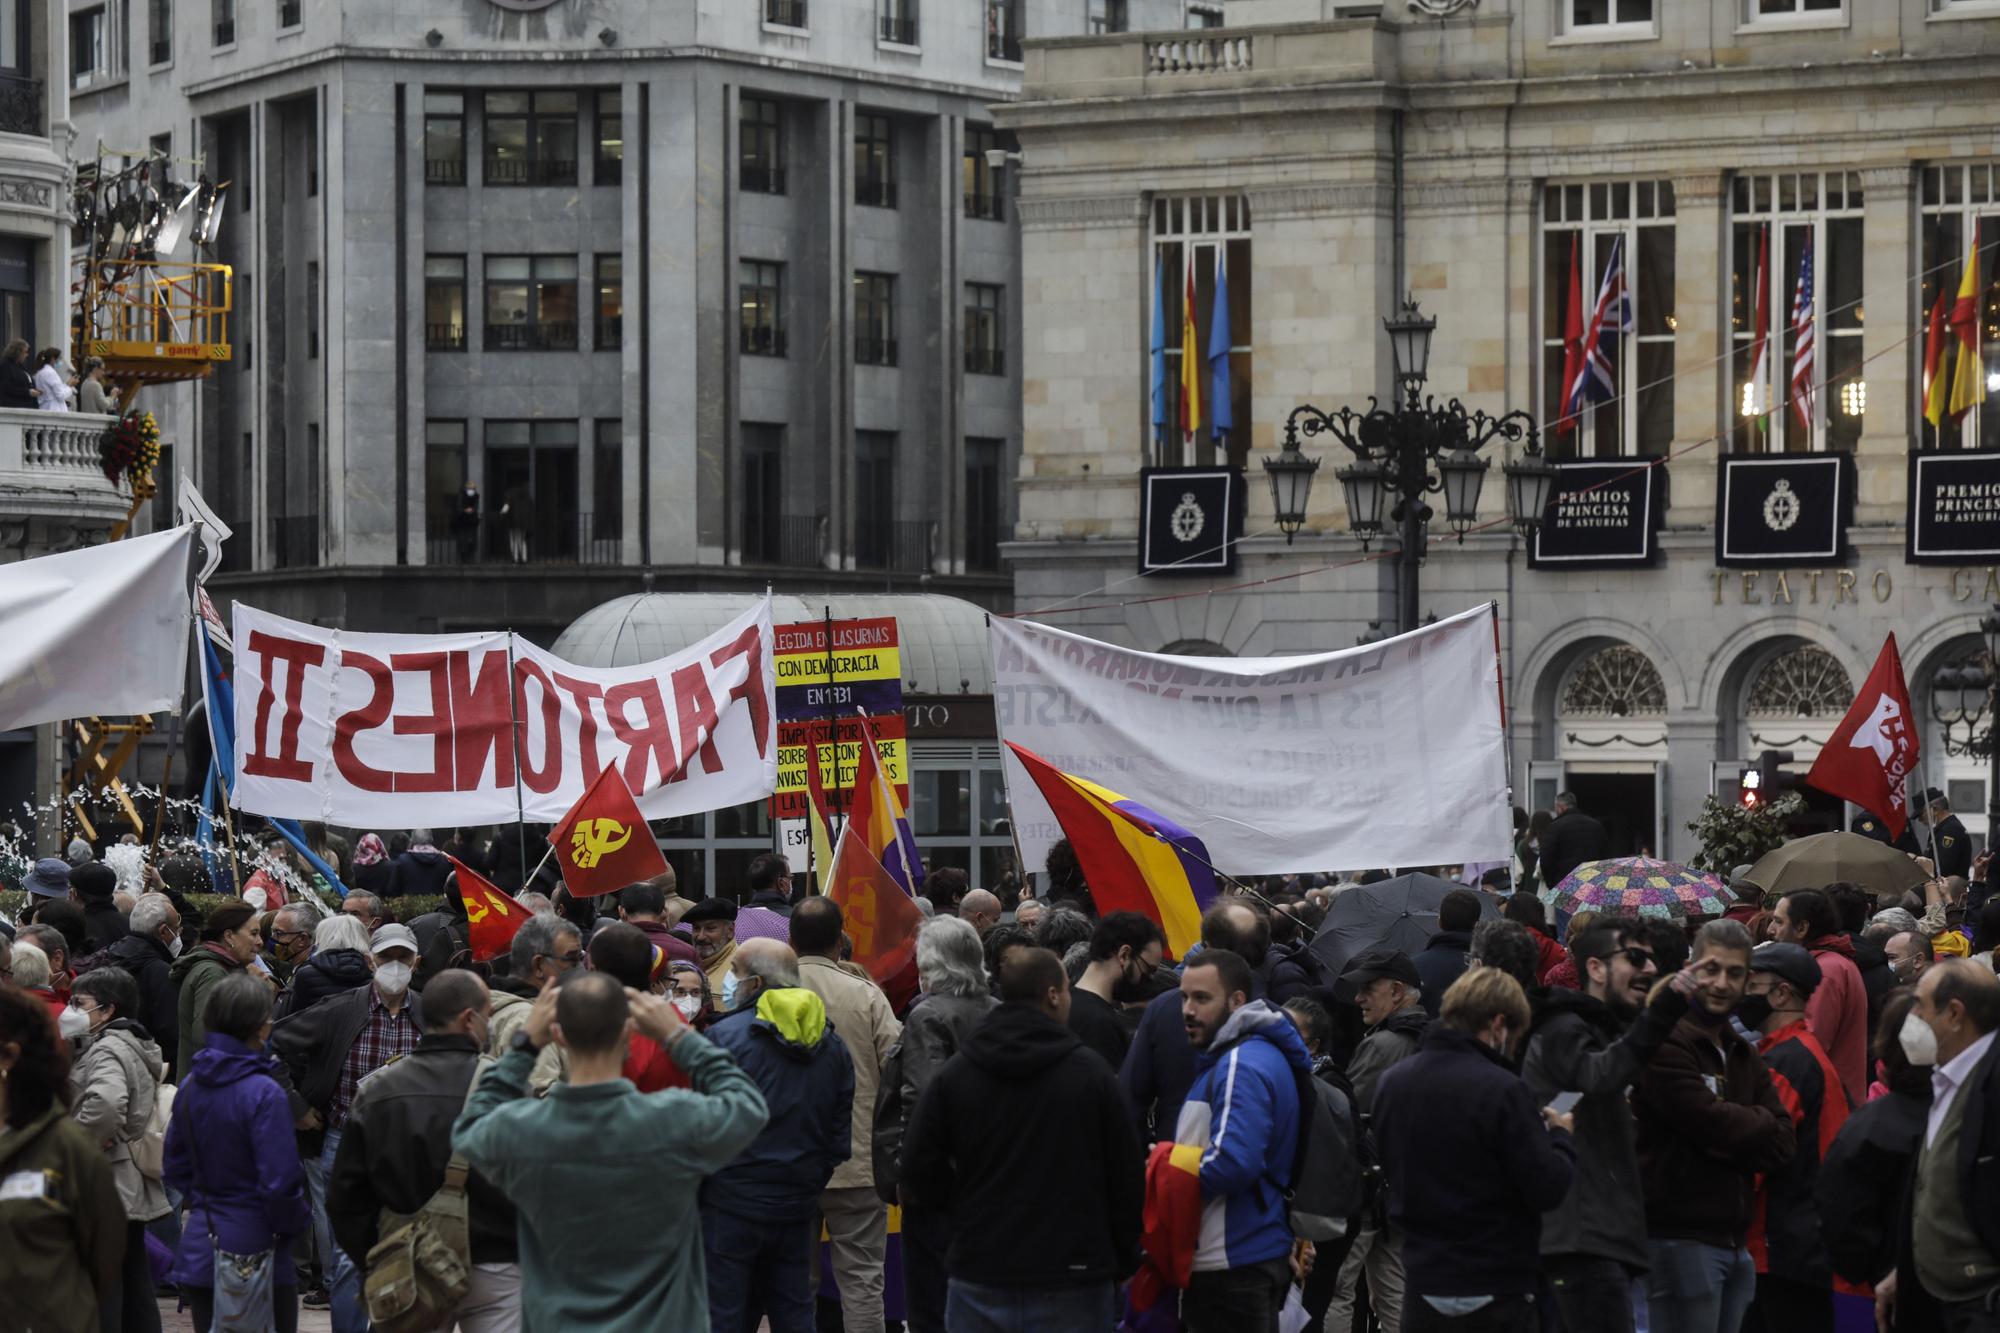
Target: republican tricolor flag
{"x": 1871, "y": 754}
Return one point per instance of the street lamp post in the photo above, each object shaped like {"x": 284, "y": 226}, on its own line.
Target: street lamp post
{"x": 1963, "y": 702}
{"x": 1413, "y": 448}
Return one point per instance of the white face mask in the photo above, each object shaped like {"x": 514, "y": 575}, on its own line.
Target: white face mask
{"x": 689, "y": 1005}
{"x": 1919, "y": 1042}
{"x": 174, "y": 947}
{"x": 73, "y": 1023}
{"x": 393, "y": 978}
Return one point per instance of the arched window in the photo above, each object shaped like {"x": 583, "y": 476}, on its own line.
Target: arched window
{"x": 1804, "y": 682}
{"x": 1195, "y": 648}
{"x": 1617, "y": 681}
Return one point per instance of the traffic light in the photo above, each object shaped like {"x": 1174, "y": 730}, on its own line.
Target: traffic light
{"x": 1772, "y": 779}
{"x": 1753, "y": 788}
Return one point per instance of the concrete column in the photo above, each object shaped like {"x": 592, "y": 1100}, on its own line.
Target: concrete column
{"x": 1691, "y": 750}
{"x": 1889, "y": 300}
{"x": 1702, "y": 381}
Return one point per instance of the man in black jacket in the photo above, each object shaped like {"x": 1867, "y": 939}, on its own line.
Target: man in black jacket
{"x": 1159, "y": 1066}
{"x": 397, "y": 1144}
{"x": 1594, "y": 1241}
{"x": 1443, "y": 959}
{"x": 93, "y": 883}
{"x": 1571, "y": 839}
{"x": 1023, "y": 1134}
{"x": 147, "y": 951}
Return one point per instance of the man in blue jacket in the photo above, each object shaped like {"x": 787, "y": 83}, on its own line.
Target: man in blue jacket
{"x": 1243, "y": 1111}
{"x": 758, "y": 1214}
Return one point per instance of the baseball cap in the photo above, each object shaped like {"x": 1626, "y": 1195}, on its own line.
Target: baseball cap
{"x": 1789, "y": 963}
{"x": 392, "y": 936}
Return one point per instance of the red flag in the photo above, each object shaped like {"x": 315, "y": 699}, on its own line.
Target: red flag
{"x": 492, "y": 915}
{"x": 882, "y": 920}
{"x": 1572, "y": 336}
{"x": 603, "y": 842}
{"x": 1869, "y": 758}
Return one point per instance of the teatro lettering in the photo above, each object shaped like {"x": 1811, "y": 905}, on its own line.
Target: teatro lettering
{"x": 1834, "y": 588}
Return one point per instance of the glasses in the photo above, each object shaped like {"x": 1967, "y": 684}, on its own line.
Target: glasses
{"x": 1638, "y": 957}
{"x": 566, "y": 959}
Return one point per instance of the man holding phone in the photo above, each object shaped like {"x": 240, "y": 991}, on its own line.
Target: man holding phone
{"x": 1590, "y": 1045}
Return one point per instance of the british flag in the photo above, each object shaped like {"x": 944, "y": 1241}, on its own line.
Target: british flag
{"x": 1802, "y": 342}
{"x": 1595, "y": 379}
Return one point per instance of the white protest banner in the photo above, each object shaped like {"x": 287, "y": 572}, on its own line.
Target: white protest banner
{"x": 98, "y": 632}
{"x": 1388, "y": 755}
{"x": 413, "y": 730}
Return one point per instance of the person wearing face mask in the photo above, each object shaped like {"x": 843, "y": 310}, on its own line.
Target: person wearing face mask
{"x": 623, "y": 952}
{"x": 1595, "y": 1041}
{"x": 1125, "y": 947}
{"x": 229, "y": 940}
{"x": 396, "y": 1145}
{"x": 1472, "y": 1160}
{"x": 1709, "y": 1122}
{"x": 1866, "y": 1169}
{"x": 1794, "y": 1275}
{"x": 327, "y": 1050}
{"x": 112, "y": 1089}
{"x": 687, "y": 991}
{"x": 147, "y": 953}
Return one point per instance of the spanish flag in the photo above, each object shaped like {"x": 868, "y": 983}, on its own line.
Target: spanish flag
{"x": 1133, "y": 859}
{"x": 1935, "y": 387}
{"x": 492, "y": 917}
{"x": 1968, "y": 379}
{"x": 1191, "y": 362}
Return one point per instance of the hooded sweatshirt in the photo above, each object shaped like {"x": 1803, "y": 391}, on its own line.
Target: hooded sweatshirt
{"x": 419, "y": 872}
{"x": 1837, "y": 1013}
{"x": 1243, "y": 1113}
{"x": 786, "y": 1045}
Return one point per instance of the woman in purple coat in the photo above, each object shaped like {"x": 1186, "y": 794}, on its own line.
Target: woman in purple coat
{"x": 231, "y": 1154}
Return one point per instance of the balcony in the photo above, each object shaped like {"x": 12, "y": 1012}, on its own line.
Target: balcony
{"x": 761, "y": 340}
{"x": 985, "y": 361}
{"x": 581, "y": 538}
{"x": 501, "y": 170}
{"x": 610, "y": 332}
{"x": 754, "y": 178}
{"x": 874, "y": 193}
{"x": 794, "y": 540}
{"x": 444, "y": 171}
{"x": 444, "y": 337}
{"x": 874, "y": 351}
{"x": 225, "y": 33}
{"x": 295, "y": 542}
{"x": 547, "y": 336}
{"x": 899, "y": 546}
{"x": 982, "y": 545}
{"x": 1003, "y": 46}
{"x": 899, "y": 31}
{"x": 785, "y": 13}
{"x": 21, "y": 106}
{"x": 986, "y": 207}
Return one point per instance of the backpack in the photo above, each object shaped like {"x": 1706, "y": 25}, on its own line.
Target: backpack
{"x": 1328, "y": 1182}
{"x": 890, "y": 1113}
{"x": 149, "y": 1150}
{"x": 421, "y": 1267}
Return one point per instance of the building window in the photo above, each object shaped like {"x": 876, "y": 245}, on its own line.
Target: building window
{"x": 764, "y": 521}
{"x": 610, "y": 302}
{"x": 1204, "y": 16}
{"x": 444, "y": 303}
{"x": 312, "y": 150}
{"x": 874, "y": 161}
{"x": 160, "y": 31}
{"x": 760, "y": 294}
{"x": 875, "y": 544}
{"x": 785, "y": 13}
{"x": 222, "y": 15}
{"x": 1197, "y": 240}
{"x": 1796, "y": 255}
{"x": 899, "y": 22}
{"x": 1816, "y": 11}
{"x": 610, "y": 137}
{"x": 531, "y": 469}
{"x": 1619, "y": 681}
{"x": 1586, "y": 229}
{"x": 985, "y": 340}
{"x": 531, "y": 138}
{"x": 875, "y": 319}
{"x": 452, "y": 519}
{"x": 984, "y": 182}
{"x": 983, "y": 481}
{"x": 161, "y": 146}
{"x": 531, "y": 303}
{"x": 312, "y": 310}
{"x": 760, "y": 128}
{"x": 444, "y": 138}
{"x": 1799, "y": 683}
{"x": 1105, "y": 16}
{"x": 1004, "y": 30}
{"x": 88, "y": 47}
{"x": 290, "y": 14}
{"x": 604, "y": 526}
{"x": 1959, "y": 201}
{"x": 1608, "y": 17}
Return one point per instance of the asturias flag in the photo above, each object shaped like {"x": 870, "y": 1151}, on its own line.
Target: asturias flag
{"x": 603, "y": 843}
{"x": 1221, "y": 411}
{"x": 1871, "y": 754}
{"x": 492, "y": 917}
{"x": 1134, "y": 859}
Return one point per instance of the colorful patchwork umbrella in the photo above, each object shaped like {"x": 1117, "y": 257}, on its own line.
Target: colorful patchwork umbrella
{"x": 1641, "y": 886}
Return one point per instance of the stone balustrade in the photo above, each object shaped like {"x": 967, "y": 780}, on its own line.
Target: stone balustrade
{"x": 1198, "y": 55}
{"x": 53, "y": 493}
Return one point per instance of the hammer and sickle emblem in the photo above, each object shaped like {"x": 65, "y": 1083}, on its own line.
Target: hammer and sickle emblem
{"x": 475, "y": 912}
{"x": 596, "y": 839}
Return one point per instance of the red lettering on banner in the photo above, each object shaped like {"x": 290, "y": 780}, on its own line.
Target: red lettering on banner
{"x": 548, "y": 776}
{"x": 694, "y": 703}
{"x": 436, "y": 724}
{"x": 480, "y": 717}
{"x": 647, "y": 746}
{"x": 749, "y": 644}
{"x": 365, "y": 718}
{"x": 583, "y": 692}
{"x": 297, "y": 655}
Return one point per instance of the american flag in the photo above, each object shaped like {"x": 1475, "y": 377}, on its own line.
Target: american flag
{"x": 1802, "y": 342}
{"x": 1595, "y": 381}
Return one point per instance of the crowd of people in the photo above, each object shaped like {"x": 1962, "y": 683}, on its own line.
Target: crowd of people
{"x": 654, "y": 1112}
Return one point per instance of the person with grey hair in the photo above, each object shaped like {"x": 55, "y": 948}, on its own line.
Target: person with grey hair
{"x": 951, "y": 968}
{"x": 755, "y": 1211}
{"x": 540, "y": 904}
{"x": 543, "y": 949}
{"x": 31, "y": 971}
{"x": 339, "y": 963}
{"x": 147, "y": 951}
{"x": 1060, "y": 929}
{"x": 1898, "y": 919}
{"x": 365, "y": 907}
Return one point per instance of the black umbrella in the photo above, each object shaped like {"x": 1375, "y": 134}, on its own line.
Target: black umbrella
{"x": 1399, "y": 913}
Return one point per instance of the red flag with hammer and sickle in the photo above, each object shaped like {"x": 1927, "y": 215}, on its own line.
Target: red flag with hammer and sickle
{"x": 492, "y": 916}
{"x": 603, "y": 843}
{"x": 881, "y": 919}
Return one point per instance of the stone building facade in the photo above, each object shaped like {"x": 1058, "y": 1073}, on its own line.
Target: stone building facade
{"x": 1489, "y": 158}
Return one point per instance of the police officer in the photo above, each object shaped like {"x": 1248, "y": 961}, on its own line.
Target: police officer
{"x": 1874, "y": 826}
{"x": 1954, "y": 844}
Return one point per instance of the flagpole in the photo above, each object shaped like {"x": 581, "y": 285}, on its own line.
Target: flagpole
{"x": 514, "y": 733}
{"x": 832, "y": 717}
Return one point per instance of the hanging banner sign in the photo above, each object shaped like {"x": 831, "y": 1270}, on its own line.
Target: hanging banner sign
{"x": 861, "y": 671}
{"x": 1954, "y": 514}
{"x": 1601, "y": 515}
{"x": 413, "y": 730}
{"x": 1783, "y": 509}
{"x": 1330, "y": 761}
{"x": 1190, "y": 519}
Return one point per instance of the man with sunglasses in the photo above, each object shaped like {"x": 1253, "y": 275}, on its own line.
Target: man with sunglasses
{"x": 1595, "y": 1042}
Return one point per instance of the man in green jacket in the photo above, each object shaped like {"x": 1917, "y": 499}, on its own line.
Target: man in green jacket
{"x": 604, "y": 1178}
